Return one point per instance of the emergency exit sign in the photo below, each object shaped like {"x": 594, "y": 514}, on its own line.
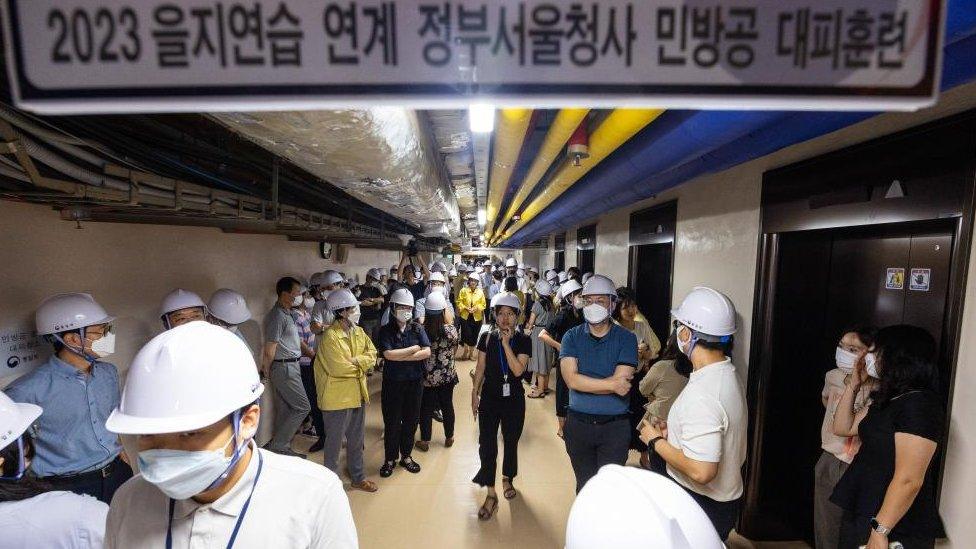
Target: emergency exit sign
{"x": 81, "y": 56}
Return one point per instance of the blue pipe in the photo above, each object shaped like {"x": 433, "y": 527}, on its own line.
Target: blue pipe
{"x": 684, "y": 146}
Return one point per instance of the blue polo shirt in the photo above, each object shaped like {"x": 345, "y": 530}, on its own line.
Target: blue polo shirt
{"x": 598, "y": 358}
{"x": 71, "y": 436}
{"x": 391, "y": 338}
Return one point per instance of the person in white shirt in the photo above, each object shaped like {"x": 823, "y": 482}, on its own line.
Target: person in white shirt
{"x": 704, "y": 438}
{"x": 191, "y": 402}
{"x": 30, "y": 514}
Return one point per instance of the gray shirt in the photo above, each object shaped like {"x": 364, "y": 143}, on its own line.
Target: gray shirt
{"x": 280, "y": 328}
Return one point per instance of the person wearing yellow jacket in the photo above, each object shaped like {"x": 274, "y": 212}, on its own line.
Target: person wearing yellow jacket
{"x": 471, "y": 305}
{"x": 344, "y": 355}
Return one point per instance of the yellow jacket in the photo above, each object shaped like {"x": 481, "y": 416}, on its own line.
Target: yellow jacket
{"x": 341, "y": 362}
{"x": 469, "y": 298}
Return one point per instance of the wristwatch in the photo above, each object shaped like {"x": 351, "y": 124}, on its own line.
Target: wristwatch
{"x": 653, "y": 441}
{"x": 877, "y": 527}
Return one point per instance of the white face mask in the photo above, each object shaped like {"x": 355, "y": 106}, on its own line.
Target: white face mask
{"x": 354, "y": 316}
{"x": 297, "y": 301}
{"x": 578, "y": 302}
{"x": 182, "y": 474}
{"x": 595, "y": 313}
{"x": 685, "y": 346}
{"x": 845, "y": 359}
{"x": 871, "y": 365}
{"x": 324, "y": 295}
{"x": 104, "y": 346}
{"x": 404, "y": 316}
{"x": 309, "y": 302}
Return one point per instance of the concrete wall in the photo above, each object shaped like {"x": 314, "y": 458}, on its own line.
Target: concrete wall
{"x": 717, "y": 243}
{"x": 129, "y": 268}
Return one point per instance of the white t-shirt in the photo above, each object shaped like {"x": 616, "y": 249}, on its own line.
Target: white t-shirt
{"x": 296, "y": 503}
{"x": 55, "y": 520}
{"x": 322, "y": 315}
{"x": 708, "y": 422}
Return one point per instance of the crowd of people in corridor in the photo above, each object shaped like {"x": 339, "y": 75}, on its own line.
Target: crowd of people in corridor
{"x": 190, "y": 407}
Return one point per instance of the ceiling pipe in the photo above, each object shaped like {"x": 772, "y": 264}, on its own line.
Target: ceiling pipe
{"x": 511, "y": 128}
{"x": 556, "y": 138}
{"x": 615, "y": 130}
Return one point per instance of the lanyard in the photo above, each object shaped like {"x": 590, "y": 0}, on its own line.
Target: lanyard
{"x": 502, "y": 359}
{"x": 240, "y": 518}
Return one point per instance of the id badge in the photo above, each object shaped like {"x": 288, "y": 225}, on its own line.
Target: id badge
{"x": 506, "y": 390}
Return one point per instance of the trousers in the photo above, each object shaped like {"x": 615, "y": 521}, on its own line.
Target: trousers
{"x": 437, "y": 398}
{"x": 308, "y": 381}
{"x": 401, "y": 412}
{"x": 348, "y": 424}
{"x": 509, "y": 414}
{"x": 291, "y": 403}
{"x": 591, "y": 446}
{"x": 827, "y": 514}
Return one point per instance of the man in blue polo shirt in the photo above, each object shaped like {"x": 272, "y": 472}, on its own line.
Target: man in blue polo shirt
{"x": 597, "y": 360}
{"x": 78, "y": 391}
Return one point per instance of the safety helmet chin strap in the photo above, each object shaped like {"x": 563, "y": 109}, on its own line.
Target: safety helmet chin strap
{"x": 81, "y": 332}
{"x": 21, "y": 462}
{"x": 235, "y": 419}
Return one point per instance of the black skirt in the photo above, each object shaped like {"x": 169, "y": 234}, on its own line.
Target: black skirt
{"x": 469, "y": 331}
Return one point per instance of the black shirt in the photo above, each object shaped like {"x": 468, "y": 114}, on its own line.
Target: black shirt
{"x": 370, "y": 312}
{"x": 417, "y": 289}
{"x": 565, "y": 320}
{"x": 490, "y": 344}
{"x": 862, "y": 488}
{"x": 391, "y": 338}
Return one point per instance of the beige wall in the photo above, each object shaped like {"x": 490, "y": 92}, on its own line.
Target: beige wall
{"x": 129, "y": 268}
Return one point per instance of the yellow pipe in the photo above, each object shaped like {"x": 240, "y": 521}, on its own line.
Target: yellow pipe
{"x": 511, "y": 126}
{"x": 619, "y": 126}
{"x": 559, "y": 133}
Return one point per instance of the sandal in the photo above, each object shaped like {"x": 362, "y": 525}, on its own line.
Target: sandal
{"x": 535, "y": 394}
{"x": 509, "y": 492}
{"x": 365, "y": 486}
{"x": 488, "y": 508}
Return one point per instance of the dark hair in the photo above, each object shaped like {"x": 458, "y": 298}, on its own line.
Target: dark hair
{"x": 28, "y": 486}
{"x": 865, "y": 334}
{"x": 573, "y": 272}
{"x": 906, "y": 357}
{"x": 434, "y": 325}
{"x": 285, "y": 284}
{"x": 671, "y": 352}
{"x": 511, "y": 284}
{"x": 56, "y": 342}
{"x": 498, "y": 308}
{"x": 625, "y": 297}
{"x": 498, "y": 275}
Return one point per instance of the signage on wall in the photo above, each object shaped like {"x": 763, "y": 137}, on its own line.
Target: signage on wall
{"x": 208, "y": 55}
{"x": 20, "y": 352}
{"x": 921, "y": 280}
{"x": 895, "y": 279}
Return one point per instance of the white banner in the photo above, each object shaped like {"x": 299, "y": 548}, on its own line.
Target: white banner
{"x": 20, "y": 352}
{"x": 120, "y": 55}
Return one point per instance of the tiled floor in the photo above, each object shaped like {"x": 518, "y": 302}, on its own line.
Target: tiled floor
{"x": 437, "y": 508}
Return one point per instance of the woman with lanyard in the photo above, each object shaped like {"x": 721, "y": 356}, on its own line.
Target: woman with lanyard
{"x": 31, "y": 514}
{"x": 190, "y": 400}
{"x": 498, "y": 399}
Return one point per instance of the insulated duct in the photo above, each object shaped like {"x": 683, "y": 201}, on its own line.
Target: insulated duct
{"x": 684, "y": 145}
{"x": 562, "y": 128}
{"x": 453, "y": 139}
{"x": 618, "y": 127}
{"x": 378, "y": 155}
{"x": 510, "y": 131}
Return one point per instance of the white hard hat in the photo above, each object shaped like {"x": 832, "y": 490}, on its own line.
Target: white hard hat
{"x": 15, "y": 418}
{"x": 341, "y": 299}
{"x": 185, "y": 379}
{"x": 180, "y": 299}
{"x": 317, "y": 279}
{"x": 437, "y": 277}
{"x": 552, "y": 277}
{"x": 229, "y": 306}
{"x": 533, "y": 270}
{"x": 438, "y": 267}
{"x": 452, "y": 272}
{"x": 520, "y": 273}
{"x": 506, "y": 299}
{"x": 629, "y": 508}
{"x": 569, "y": 287}
{"x": 374, "y": 273}
{"x": 600, "y": 285}
{"x": 587, "y": 276}
{"x": 331, "y": 277}
{"x": 510, "y": 262}
{"x": 543, "y": 288}
{"x": 436, "y": 301}
{"x": 67, "y": 312}
{"x": 474, "y": 277}
{"x": 563, "y": 276}
{"x": 402, "y": 297}
{"x": 707, "y": 311}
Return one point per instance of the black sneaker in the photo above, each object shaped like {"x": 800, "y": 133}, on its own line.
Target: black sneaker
{"x": 438, "y": 416}
{"x": 410, "y": 465}
{"x": 317, "y": 447}
{"x": 386, "y": 470}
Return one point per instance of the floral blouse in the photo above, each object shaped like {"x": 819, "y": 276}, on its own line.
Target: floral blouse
{"x": 439, "y": 368}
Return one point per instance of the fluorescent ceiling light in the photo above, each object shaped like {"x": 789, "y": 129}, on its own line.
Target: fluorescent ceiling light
{"x": 481, "y": 118}
{"x": 482, "y": 217}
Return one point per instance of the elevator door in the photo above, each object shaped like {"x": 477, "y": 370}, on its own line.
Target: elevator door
{"x": 826, "y": 282}
{"x": 650, "y": 278}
